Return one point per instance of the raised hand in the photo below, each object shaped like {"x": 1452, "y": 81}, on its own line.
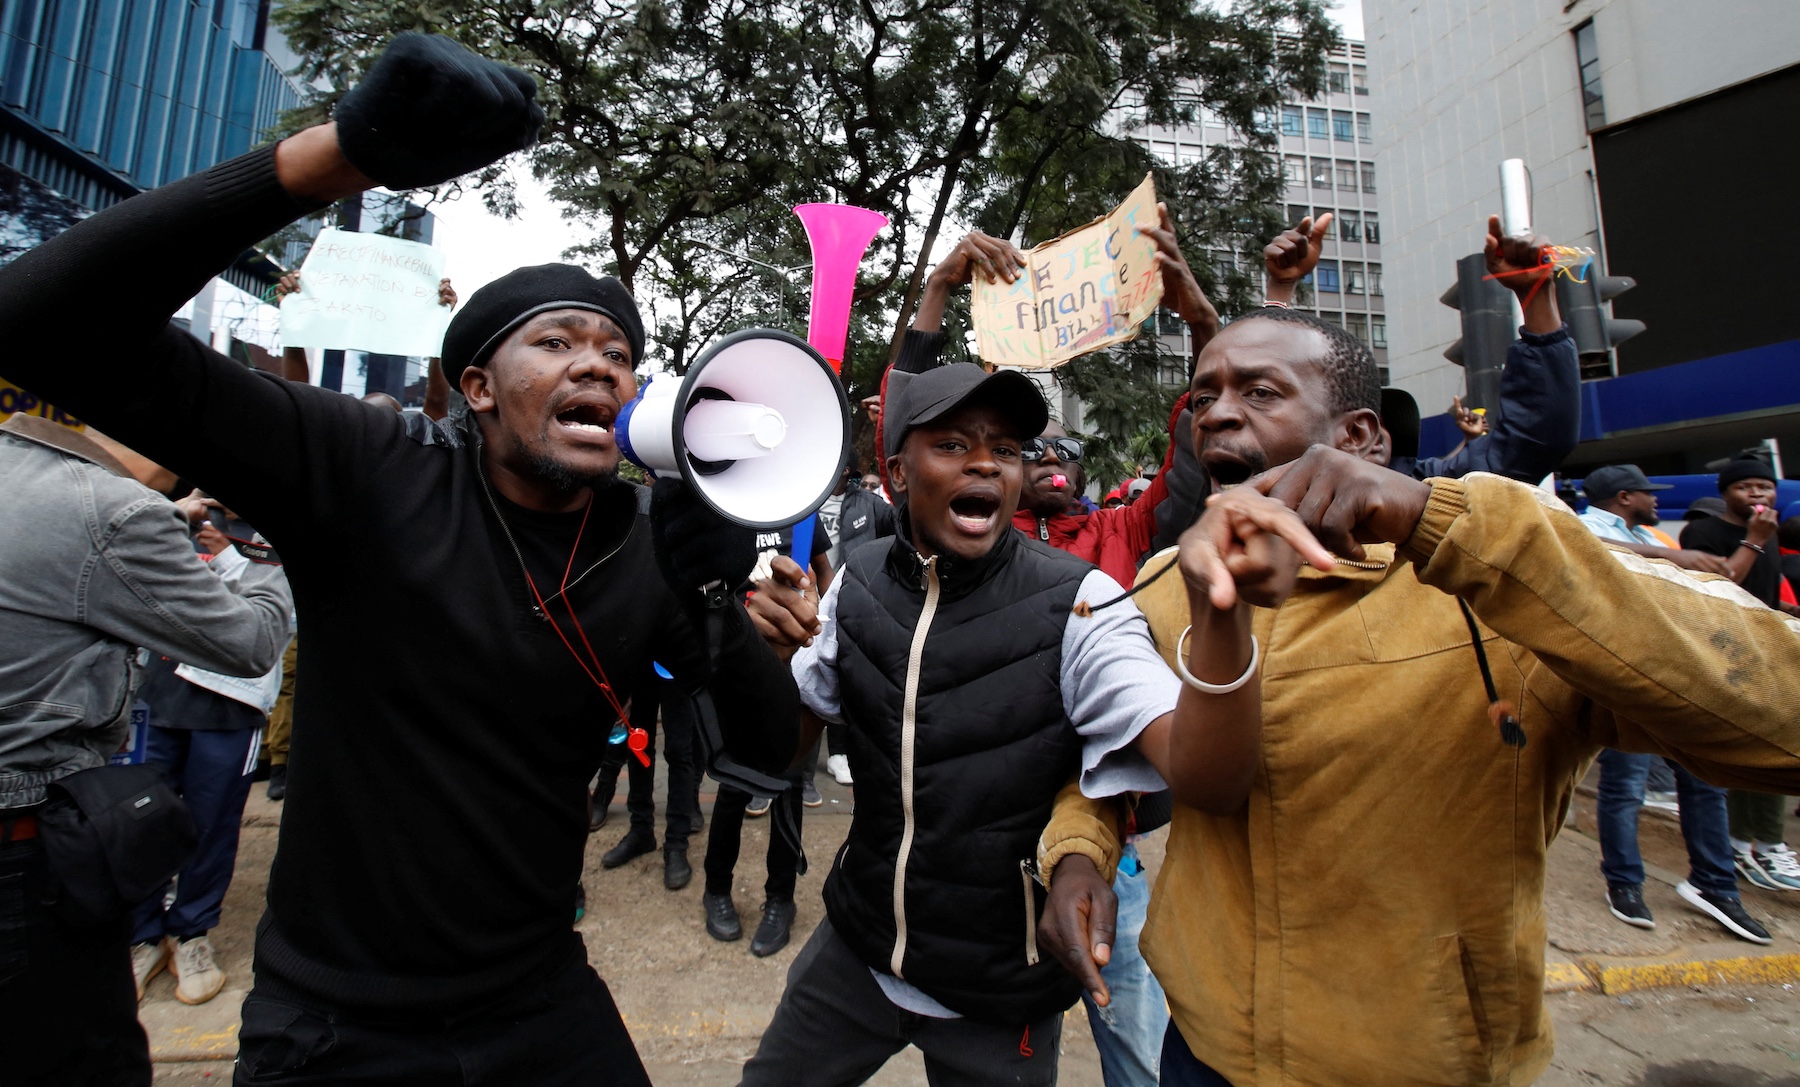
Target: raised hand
{"x": 446, "y": 294}
{"x": 430, "y": 110}
{"x": 1294, "y": 253}
{"x": 995, "y": 258}
{"x": 1181, "y": 291}
{"x": 1472, "y": 424}
{"x": 1247, "y": 546}
{"x": 1517, "y": 262}
{"x": 1761, "y": 526}
{"x": 1346, "y": 501}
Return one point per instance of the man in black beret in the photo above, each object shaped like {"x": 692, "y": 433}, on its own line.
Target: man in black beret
{"x": 463, "y": 666}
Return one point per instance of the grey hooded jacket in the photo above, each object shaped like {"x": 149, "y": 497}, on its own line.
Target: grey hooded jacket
{"x": 93, "y": 565}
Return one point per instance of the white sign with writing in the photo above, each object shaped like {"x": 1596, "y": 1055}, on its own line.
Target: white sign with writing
{"x": 367, "y": 292}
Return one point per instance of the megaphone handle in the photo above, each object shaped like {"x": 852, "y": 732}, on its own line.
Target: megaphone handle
{"x": 801, "y": 552}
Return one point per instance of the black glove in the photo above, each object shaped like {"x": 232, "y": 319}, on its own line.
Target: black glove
{"x": 430, "y": 110}
{"x": 697, "y": 547}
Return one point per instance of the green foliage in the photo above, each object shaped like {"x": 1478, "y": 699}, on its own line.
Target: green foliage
{"x": 679, "y": 128}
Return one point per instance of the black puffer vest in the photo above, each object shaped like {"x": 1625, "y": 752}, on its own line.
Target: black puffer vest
{"x": 951, "y": 674}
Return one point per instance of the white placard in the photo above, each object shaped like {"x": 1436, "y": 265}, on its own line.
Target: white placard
{"x": 367, "y": 292}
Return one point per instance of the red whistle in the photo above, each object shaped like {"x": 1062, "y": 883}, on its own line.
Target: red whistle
{"x": 638, "y": 740}
{"x": 1059, "y": 480}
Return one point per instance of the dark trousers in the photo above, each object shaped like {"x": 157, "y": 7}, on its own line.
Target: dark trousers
{"x": 68, "y": 1006}
{"x": 724, "y": 839}
{"x": 1621, "y": 796}
{"x": 565, "y": 1032}
{"x": 835, "y": 1027}
{"x": 1757, "y": 817}
{"x": 212, "y": 771}
{"x": 1180, "y": 1068}
{"x": 678, "y": 752}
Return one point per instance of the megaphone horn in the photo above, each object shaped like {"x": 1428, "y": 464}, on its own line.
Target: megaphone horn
{"x": 759, "y": 427}
{"x": 839, "y": 235}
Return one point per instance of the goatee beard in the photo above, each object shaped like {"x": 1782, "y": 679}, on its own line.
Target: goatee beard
{"x": 563, "y": 478}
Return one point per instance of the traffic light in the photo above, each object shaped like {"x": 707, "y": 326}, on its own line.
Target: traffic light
{"x": 1487, "y": 330}
{"x": 1596, "y": 333}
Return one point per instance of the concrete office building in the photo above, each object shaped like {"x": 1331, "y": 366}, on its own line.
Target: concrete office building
{"x": 1327, "y": 150}
{"x": 1646, "y": 126}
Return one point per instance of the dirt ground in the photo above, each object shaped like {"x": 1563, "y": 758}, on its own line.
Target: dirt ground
{"x": 696, "y": 1006}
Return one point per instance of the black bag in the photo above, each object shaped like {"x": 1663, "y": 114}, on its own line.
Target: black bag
{"x": 112, "y": 836}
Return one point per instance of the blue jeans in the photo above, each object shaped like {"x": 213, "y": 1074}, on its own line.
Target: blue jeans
{"x": 1703, "y": 824}
{"x": 212, "y": 771}
{"x": 1129, "y": 1030}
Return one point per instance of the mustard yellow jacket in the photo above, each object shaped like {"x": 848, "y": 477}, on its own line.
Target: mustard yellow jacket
{"x": 1374, "y": 915}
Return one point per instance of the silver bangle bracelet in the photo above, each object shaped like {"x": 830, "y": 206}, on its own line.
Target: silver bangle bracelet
{"x": 1188, "y": 677}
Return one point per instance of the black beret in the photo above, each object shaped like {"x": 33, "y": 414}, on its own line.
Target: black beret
{"x": 508, "y": 302}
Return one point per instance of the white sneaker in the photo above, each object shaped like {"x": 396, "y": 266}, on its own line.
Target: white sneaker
{"x": 198, "y": 979}
{"x": 146, "y": 960}
{"x": 839, "y": 765}
{"x": 1782, "y": 865}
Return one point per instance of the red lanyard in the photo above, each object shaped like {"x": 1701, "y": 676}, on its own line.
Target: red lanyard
{"x": 636, "y": 738}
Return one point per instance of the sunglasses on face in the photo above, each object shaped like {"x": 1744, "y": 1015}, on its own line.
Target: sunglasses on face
{"x": 1067, "y": 449}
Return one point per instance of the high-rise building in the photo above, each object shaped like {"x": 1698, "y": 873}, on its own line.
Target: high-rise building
{"x": 1650, "y": 128}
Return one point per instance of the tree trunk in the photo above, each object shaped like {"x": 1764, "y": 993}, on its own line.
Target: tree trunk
{"x": 938, "y": 211}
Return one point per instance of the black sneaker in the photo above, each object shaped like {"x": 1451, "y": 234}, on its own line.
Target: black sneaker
{"x": 635, "y": 844}
{"x": 1726, "y": 911}
{"x": 599, "y": 807}
{"x": 278, "y": 781}
{"x": 1627, "y": 903}
{"x": 676, "y": 869}
{"x": 722, "y": 918}
{"x": 809, "y": 795}
{"x": 759, "y": 805}
{"x": 777, "y": 921}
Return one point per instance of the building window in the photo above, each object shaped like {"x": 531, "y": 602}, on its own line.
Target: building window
{"x": 1358, "y": 324}
{"x": 1377, "y": 330}
{"x": 1368, "y": 177}
{"x": 1375, "y": 279}
{"x": 1321, "y": 174}
{"x": 1296, "y": 170}
{"x": 1290, "y": 120}
{"x": 1371, "y": 228}
{"x": 1587, "y": 55}
{"x": 1365, "y": 128}
{"x": 1346, "y": 176}
{"x": 1359, "y": 79}
{"x": 1343, "y": 126}
{"x": 1349, "y": 226}
{"x": 1353, "y": 279}
{"x": 1297, "y": 212}
{"x": 1316, "y": 124}
{"x": 1339, "y": 79}
{"x": 1326, "y": 276}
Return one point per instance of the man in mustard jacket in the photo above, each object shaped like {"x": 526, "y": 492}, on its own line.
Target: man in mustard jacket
{"x": 1374, "y": 912}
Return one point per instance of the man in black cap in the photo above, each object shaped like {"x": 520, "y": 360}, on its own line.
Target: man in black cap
{"x": 973, "y": 692}
{"x": 1622, "y": 510}
{"x": 459, "y": 687}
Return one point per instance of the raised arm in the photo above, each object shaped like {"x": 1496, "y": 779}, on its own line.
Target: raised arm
{"x": 428, "y": 110}
{"x": 1291, "y": 257}
{"x": 1539, "y": 416}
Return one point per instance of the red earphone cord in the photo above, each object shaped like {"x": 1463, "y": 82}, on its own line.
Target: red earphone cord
{"x": 596, "y": 673}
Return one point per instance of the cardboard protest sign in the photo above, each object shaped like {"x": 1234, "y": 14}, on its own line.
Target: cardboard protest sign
{"x": 367, "y": 292}
{"x": 1088, "y": 289}
{"x": 16, "y": 400}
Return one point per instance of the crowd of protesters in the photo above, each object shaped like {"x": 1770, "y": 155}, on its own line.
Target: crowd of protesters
{"x": 1363, "y": 653}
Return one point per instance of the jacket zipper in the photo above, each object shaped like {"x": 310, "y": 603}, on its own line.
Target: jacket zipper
{"x": 1043, "y": 528}
{"x": 1026, "y": 868}
{"x": 908, "y": 726}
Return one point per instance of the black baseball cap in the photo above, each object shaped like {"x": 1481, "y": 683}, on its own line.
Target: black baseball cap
{"x": 942, "y": 390}
{"x": 1605, "y": 482}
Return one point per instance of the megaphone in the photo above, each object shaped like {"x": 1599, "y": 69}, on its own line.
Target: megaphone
{"x": 839, "y": 235}
{"x": 759, "y": 426}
